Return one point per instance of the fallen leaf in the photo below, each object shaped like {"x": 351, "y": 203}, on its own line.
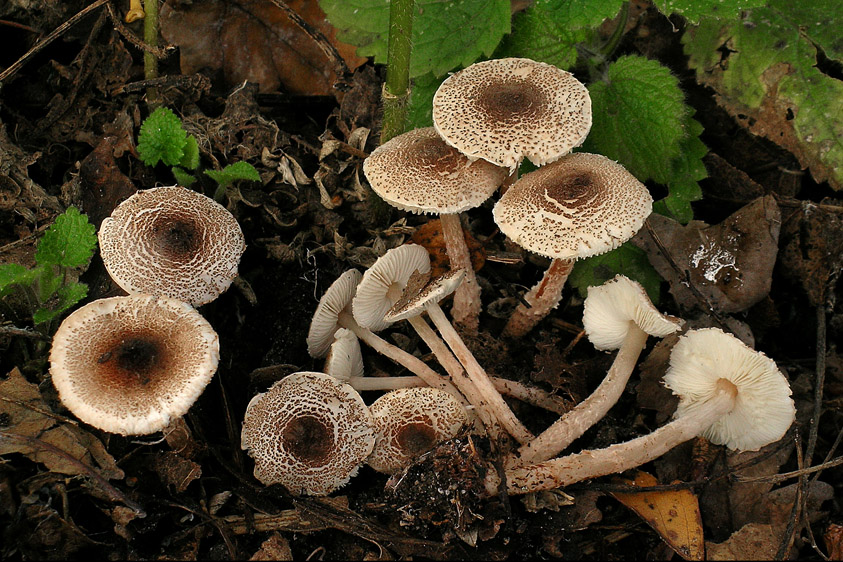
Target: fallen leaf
{"x": 430, "y": 236}
{"x": 833, "y": 539}
{"x": 753, "y": 541}
{"x": 252, "y": 40}
{"x": 275, "y": 547}
{"x": 674, "y": 515}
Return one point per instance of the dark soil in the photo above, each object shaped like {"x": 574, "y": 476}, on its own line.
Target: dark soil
{"x": 73, "y": 111}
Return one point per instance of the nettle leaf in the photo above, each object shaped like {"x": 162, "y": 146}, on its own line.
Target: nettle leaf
{"x": 446, "y": 35}
{"x": 639, "y": 117}
{"x": 162, "y": 138}
{"x": 69, "y": 242}
{"x": 693, "y": 10}
{"x": 688, "y": 168}
{"x": 770, "y": 81}
{"x": 65, "y": 297}
{"x": 420, "y": 108}
{"x": 190, "y": 159}
{"x": 549, "y": 30}
{"x": 627, "y": 259}
{"x": 183, "y": 177}
{"x": 12, "y": 274}
{"x": 234, "y": 172}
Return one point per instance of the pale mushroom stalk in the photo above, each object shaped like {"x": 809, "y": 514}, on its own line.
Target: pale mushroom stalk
{"x": 541, "y": 299}
{"x": 493, "y": 399}
{"x": 467, "y": 303}
{"x": 588, "y": 412}
{"x": 619, "y": 457}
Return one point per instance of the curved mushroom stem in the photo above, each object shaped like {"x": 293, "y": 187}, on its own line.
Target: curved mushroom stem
{"x": 493, "y": 399}
{"x": 570, "y": 426}
{"x": 619, "y": 457}
{"x": 467, "y": 303}
{"x": 542, "y": 298}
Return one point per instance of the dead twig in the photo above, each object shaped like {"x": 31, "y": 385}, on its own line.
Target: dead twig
{"x": 157, "y": 52}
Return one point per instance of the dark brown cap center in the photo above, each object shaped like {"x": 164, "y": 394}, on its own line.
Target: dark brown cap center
{"x": 309, "y": 439}
{"x": 434, "y": 153}
{"x": 512, "y": 100}
{"x": 416, "y": 438}
{"x": 572, "y": 190}
{"x": 132, "y": 359}
{"x": 176, "y": 237}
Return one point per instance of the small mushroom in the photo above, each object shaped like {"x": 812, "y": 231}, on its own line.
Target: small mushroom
{"x": 729, "y": 393}
{"x": 130, "y": 365}
{"x": 308, "y": 432}
{"x": 582, "y": 205}
{"x": 618, "y": 315}
{"x": 173, "y": 242}
{"x": 504, "y": 110}
{"x": 418, "y": 172}
{"x": 344, "y": 360}
{"x": 411, "y": 421}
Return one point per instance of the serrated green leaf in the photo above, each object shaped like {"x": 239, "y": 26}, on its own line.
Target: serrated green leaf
{"x": 693, "y": 10}
{"x": 190, "y": 159}
{"x": 183, "y": 178}
{"x": 420, "y": 108}
{"x": 12, "y": 274}
{"x": 627, "y": 259}
{"x": 639, "y": 117}
{"x": 769, "y": 79}
{"x": 445, "y": 35}
{"x": 549, "y": 30}
{"x": 69, "y": 242}
{"x": 234, "y": 172}
{"x": 66, "y": 296}
{"x": 162, "y": 138}
{"x": 688, "y": 168}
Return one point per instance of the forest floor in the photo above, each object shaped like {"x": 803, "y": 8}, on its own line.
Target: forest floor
{"x": 69, "y": 120}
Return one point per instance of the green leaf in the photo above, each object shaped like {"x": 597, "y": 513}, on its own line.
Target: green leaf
{"x": 421, "y": 101}
{"x": 688, "y": 168}
{"x": 234, "y": 172}
{"x": 549, "y": 30}
{"x": 12, "y": 274}
{"x": 190, "y": 160}
{"x": 183, "y": 178}
{"x": 66, "y": 297}
{"x": 627, "y": 259}
{"x": 769, "y": 79}
{"x": 693, "y": 10}
{"x": 162, "y": 138}
{"x": 69, "y": 242}
{"x": 639, "y": 117}
{"x": 445, "y": 35}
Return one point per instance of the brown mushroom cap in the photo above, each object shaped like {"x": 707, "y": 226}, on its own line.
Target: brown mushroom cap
{"x": 434, "y": 291}
{"x": 325, "y": 320}
{"x": 581, "y": 205}
{"x": 411, "y": 421}
{"x": 418, "y": 172}
{"x": 610, "y": 307}
{"x": 504, "y": 110}
{"x": 130, "y": 365}
{"x": 308, "y": 432}
{"x": 173, "y": 242}
{"x": 763, "y": 410}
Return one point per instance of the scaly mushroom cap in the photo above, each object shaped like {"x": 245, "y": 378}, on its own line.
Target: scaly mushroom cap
{"x": 610, "y": 308}
{"x": 173, "y": 242}
{"x": 308, "y": 432}
{"x": 581, "y": 205}
{"x": 763, "y": 410}
{"x": 415, "y": 303}
{"x": 411, "y": 421}
{"x": 344, "y": 359}
{"x": 506, "y": 109}
{"x": 418, "y": 172}
{"x": 384, "y": 282}
{"x": 324, "y": 323}
{"x": 130, "y": 365}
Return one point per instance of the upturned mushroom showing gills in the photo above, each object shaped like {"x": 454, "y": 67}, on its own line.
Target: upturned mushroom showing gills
{"x": 582, "y": 205}
{"x": 728, "y": 393}
{"x": 411, "y": 421}
{"x": 418, "y": 172}
{"x": 131, "y": 365}
{"x": 173, "y": 242}
{"x": 308, "y": 432}
{"x": 504, "y": 110}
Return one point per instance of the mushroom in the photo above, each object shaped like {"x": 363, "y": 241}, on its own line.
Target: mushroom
{"x": 130, "y": 365}
{"x": 173, "y": 242}
{"x": 729, "y": 393}
{"x": 344, "y": 360}
{"x": 308, "y": 432}
{"x": 411, "y": 421}
{"x": 618, "y": 315}
{"x": 504, "y": 110}
{"x": 383, "y": 285}
{"x": 581, "y": 205}
{"x": 418, "y": 172}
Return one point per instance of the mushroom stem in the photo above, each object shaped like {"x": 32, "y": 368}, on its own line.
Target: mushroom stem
{"x": 467, "y": 304}
{"x": 619, "y": 457}
{"x": 494, "y": 400}
{"x": 542, "y": 298}
{"x": 573, "y": 424}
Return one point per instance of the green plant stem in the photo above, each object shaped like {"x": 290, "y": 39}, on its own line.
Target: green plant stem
{"x": 396, "y": 91}
{"x": 615, "y": 39}
{"x": 150, "y": 37}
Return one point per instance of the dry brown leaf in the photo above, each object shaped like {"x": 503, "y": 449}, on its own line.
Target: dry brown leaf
{"x": 752, "y": 542}
{"x": 674, "y": 515}
{"x": 254, "y": 40}
{"x": 430, "y": 236}
{"x": 833, "y": 539}
{"x": 275, "y": 547}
